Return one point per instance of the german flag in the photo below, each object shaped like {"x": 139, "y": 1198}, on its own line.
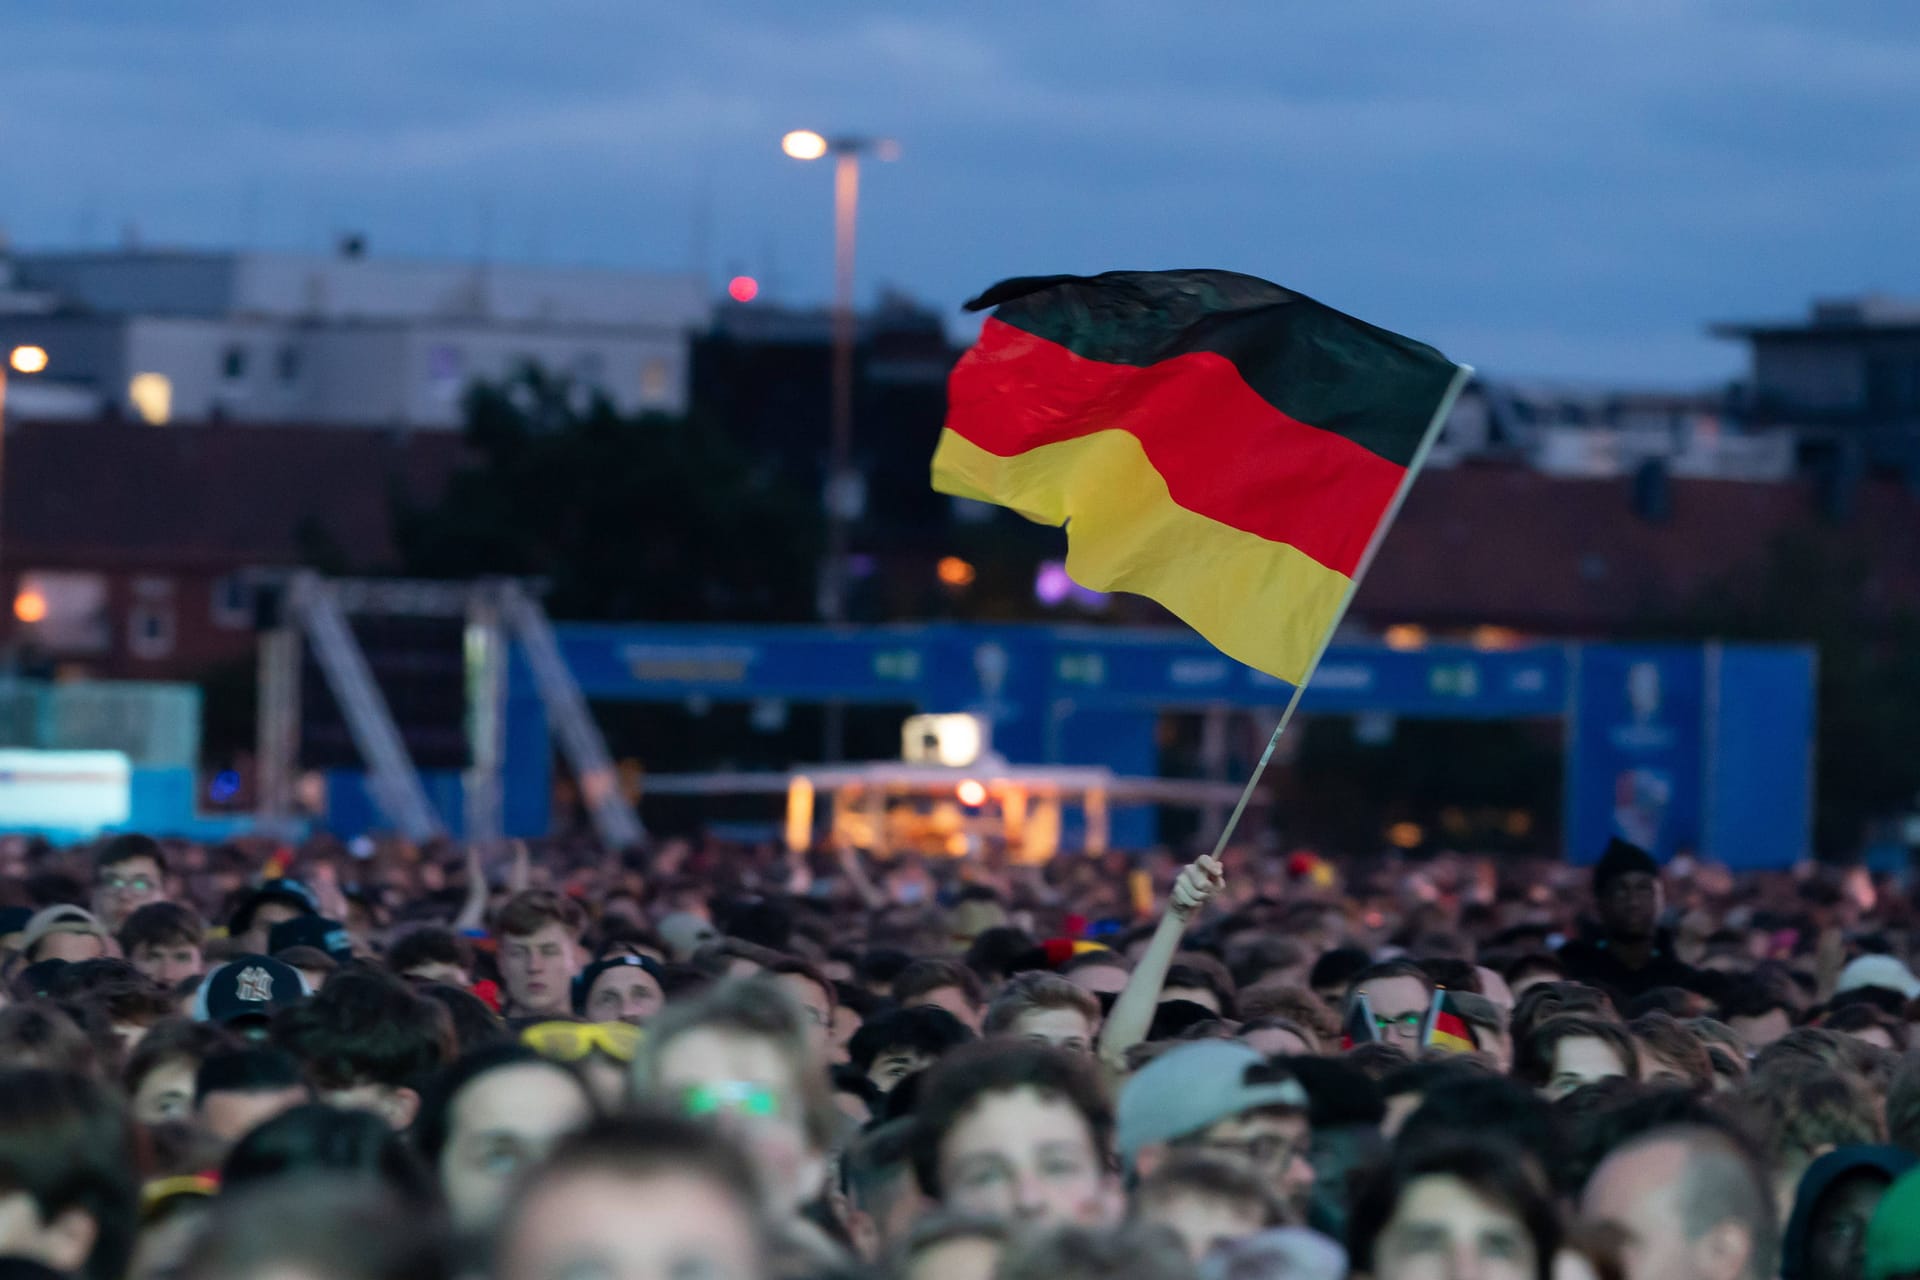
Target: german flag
{"x": 1358, "y": 1027}
{"x": 1209, "y": 439}
{"x": 1444, "y": 1028}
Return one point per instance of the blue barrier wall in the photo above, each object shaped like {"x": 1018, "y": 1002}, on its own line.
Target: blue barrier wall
{"x": 1707, "y": 748}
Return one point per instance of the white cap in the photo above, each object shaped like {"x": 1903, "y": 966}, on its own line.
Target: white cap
{"x": 1879, "y": 971}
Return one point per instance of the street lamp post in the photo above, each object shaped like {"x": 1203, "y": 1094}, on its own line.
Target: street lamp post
{"x": 841, "y": 490}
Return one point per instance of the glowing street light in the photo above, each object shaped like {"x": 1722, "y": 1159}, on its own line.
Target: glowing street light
{"x": 804, "y": 144}
{"x": 28, "y": 359}
{"x": 30, "y": 606}
{"x": 846, "y": 150}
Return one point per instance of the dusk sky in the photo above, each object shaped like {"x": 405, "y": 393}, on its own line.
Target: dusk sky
{"x": 1552, "y": 189}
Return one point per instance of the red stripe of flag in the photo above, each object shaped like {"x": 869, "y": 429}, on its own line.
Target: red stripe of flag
{"x": 1225, "y": 452}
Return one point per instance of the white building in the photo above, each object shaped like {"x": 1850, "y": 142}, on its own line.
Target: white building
{"x": 348, "y": 339}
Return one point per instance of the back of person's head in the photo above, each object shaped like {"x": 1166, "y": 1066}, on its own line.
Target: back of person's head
{"x": 972, "y": 1073}
{"x": 1339, "y": 1095}
{"x": 1375, "y": 1060}
{"x": 636, "y": 1148}
{"x": 1800, "y": 1112}
{"x": 429, "y": 945}
{"x": 39, "y": 1033}
{"x": 995, "y": 952}
{"x": 921, "y": 1030}
{"x": 475, "y": 1026}
{"x": 1601, "y": 1118}
{"x": 1451, "y": 972}
{"x": 323, "y": 1226}
{"x": 1336, "y": 969}
{"x": 65, "y": 1142}
{"x": 1494, "y": 1171}
{"x": 318, "y": 1139}
{"x": 1133, "y": 1251}
{"x": 251, "y": 1069}
{"x": 1479, "y": 1104}
{"x": 366, "y": 1028}
{"x": 924, "y": 977}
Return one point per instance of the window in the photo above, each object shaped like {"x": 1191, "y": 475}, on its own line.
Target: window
{"x": 232, "y": 602}
{"x": 63, "y": 613}
{"x": 286, "y": 365}
{"x": 233, "y": 364}
{"x": 150, "y": 629}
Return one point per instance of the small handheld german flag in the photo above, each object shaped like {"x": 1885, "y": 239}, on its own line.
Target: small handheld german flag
{"x": 1358, "y": 1027}
{"x": 1445, "y": 1029}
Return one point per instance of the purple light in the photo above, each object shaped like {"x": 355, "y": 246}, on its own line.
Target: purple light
{"x": 1052, "y": 586}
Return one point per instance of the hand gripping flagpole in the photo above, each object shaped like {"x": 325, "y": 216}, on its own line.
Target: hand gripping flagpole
{"x": 1461, "y": 373}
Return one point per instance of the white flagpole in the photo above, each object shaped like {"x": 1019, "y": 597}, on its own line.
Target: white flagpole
{"x": 1461, "y": 373}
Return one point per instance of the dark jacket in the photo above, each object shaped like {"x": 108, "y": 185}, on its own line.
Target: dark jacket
{"x": 1591, "y": 960}
{"x": 1820, "y": 1178}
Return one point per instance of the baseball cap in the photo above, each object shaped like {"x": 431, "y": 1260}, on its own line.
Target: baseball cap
{"x": 1893, "y": 1237}
{"x": 290, "y": 892}
{"x": 317, "y": 932}
{"x": 248, "y": 986}
{"x": 583, "y": 985}
{"x": 64, "y": 918}
{"x": 1885, "y": 972}
{"x": 1195, "y": 1086}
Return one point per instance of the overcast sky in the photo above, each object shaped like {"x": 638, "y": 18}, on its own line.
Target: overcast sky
{"x": 1556, "y": 188}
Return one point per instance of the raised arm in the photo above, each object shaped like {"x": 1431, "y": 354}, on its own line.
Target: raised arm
{"x": 1132, "y": 1014}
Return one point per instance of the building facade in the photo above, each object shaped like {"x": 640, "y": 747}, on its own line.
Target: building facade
{"x": 347, "y": 340}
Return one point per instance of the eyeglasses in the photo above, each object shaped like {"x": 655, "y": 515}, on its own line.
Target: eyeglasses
{"x": 1268, "y": 1150}
{"x": 573, "y": 1041}
{"x": 1408, "y": 1021}
{"x": 738, "y": 1096}
{"x": 127, "y": 884}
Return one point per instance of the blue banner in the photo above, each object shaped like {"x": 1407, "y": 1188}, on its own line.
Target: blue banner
{"x": 1634, "y": 750}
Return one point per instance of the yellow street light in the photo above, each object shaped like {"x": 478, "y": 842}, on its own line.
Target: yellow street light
{"x": 28, "y": 359}
{"x": 804, "y": 144}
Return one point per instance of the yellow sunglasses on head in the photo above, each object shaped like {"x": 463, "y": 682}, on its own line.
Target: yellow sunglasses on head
{"x": 573, "y": 1041}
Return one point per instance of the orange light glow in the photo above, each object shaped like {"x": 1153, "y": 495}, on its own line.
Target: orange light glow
{"x": 28, "y": 359}
{"x": 1405, "y": 835}
{"x": 972, "y": 794}
{"x": 30, "y": 606}
{"x": 956, "y": 572}
{"x": 1405, "y": 635}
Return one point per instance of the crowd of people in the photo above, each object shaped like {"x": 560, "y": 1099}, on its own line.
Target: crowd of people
{"x": 703, "y": 1061}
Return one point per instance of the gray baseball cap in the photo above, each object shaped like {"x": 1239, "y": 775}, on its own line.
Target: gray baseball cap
{"x": 1194, "y": 1086}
